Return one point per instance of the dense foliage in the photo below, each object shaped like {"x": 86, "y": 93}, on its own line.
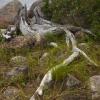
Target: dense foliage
{"x": 85, "y": 13}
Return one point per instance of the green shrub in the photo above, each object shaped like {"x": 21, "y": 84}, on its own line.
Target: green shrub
{"x": 77, "y": 12}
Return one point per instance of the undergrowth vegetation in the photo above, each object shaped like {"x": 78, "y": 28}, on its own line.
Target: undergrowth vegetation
{"x": 79, "y": 13}
{"x": 80, "y": 68}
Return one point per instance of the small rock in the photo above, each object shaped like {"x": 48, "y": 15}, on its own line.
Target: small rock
{"x": 54, "y": 44}
{"x": 44, "y": 56}
{"x": 72, "y": 81}
{"x": 16, "y": 71}
{"x": 11, "y": 93}
{"x": 9, "y": 12}
{"x": 18, "y": 61}
{"x": 19, "y": 42}
{"x": 95, "y": 86}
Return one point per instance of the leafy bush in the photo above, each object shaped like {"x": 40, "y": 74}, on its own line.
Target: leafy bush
{"x": 77, "y": 12}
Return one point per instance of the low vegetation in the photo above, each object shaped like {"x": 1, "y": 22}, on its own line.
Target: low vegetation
{"x": 77, "y": 12}
{"x": 80, "y": 68}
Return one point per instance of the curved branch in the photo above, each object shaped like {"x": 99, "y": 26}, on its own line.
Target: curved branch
{"x": 76, "y": 51}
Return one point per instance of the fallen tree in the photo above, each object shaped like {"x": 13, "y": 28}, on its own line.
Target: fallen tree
{"x": 39, "y": 28}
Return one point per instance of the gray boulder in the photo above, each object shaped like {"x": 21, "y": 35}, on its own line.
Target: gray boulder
{"x": 72, "y": 81}
{"x": 17, "y": 72}
{"x": 11, "y": 93}
{"x": 18, "y": 61}
{"x": 95, "y": 86}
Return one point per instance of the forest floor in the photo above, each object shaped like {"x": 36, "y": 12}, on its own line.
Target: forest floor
{"x": 80, "y": 68}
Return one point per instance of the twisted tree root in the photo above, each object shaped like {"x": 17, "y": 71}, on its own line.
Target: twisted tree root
{"x": 76, "y": 51}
